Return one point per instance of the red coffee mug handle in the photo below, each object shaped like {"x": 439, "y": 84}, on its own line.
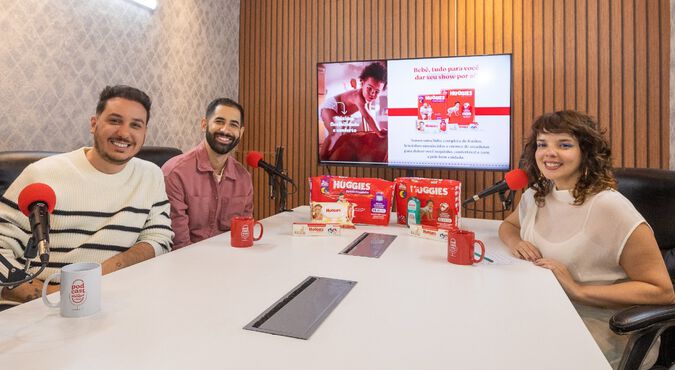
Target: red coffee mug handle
{"x": 482, "y": 251}
{"x": 261, "y": 231}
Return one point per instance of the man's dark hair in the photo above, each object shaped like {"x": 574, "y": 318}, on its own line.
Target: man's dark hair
{"x": 125, "y": 92}
{"x": 226, "y": 102}
{"x": 376, "y": 71}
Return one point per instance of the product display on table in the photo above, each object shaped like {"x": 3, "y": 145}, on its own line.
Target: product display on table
{"x": 431, "y": 202}
{"x": 429, "y": 232}
{"x": 355, "y": 200}
{"x": 315, "y": 229}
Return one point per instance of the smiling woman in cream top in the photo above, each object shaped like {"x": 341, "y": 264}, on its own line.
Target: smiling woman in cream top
{"x": 588, "y": 239}
{"x": 572, "y": 222}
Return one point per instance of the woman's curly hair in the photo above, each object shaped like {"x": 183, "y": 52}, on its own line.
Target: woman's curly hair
{"x": 596, "y": 155}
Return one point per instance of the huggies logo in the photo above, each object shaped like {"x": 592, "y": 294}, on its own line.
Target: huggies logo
{"x": 435, "y": 98}
{"x": 78, "y": 292}
{"x": 351, "y": 185}
{"x": 428, "y": 190}
{"x": 461, "y": 93}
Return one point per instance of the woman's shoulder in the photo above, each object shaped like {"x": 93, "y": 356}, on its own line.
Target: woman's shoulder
{"x": 528, "y": 195}
{"x": 612, "y": 202}
{"x": 527, "y": 199}
{"x": 610, "y": 198}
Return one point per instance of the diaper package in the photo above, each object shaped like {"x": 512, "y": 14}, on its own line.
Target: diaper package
{"x": 431, "y": 202}
{"x": 349, "y": 200}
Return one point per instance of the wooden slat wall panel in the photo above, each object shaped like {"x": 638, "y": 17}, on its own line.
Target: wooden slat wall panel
{"x": 593, "y": 57}
{"x": 664, "y": 66}
{"x": 608, "y": 58}
{"x": 630, "y": 115}
{"x": 654, "y": 84}
{"x": 616, "y": 77}
{"x": 642, "y": 83}
{"x": 579, "y": 37}
{"x": 568, "y": 12}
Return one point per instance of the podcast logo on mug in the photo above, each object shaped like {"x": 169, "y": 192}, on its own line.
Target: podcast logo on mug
{"x": 453, "y": 247}
{"x": 245, "y": 232}
{"x": 78, "y": 292}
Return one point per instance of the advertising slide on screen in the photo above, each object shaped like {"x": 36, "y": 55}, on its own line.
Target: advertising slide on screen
{"x": 450, "y": 112}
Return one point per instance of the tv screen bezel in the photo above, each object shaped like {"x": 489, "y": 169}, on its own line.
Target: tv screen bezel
{"x": 440, "y": 168}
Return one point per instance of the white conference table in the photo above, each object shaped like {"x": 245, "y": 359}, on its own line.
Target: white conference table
{"x": 410, "y": 309}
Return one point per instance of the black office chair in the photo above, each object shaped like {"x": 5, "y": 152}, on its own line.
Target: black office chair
{"x": 652, "y": 192}
{"x": 12, "y": 163}
{"x": 158, "y": 154}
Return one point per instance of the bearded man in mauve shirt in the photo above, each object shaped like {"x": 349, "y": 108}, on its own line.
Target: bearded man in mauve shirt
{"x": 207, "y": 186}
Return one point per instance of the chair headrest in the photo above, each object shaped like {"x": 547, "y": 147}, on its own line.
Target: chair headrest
{"x": 158, "y": 154}
{"x": 652, "y": 192}
{"x": 13, "y": 162}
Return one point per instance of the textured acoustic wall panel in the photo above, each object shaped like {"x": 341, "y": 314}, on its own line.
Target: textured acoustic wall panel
{"x": 57, "y": 55}
{"x": 609, "y": 58}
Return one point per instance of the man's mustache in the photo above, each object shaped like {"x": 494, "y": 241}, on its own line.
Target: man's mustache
{"x": 229, "y": 136}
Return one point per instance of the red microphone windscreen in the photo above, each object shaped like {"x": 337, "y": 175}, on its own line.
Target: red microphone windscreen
{"x": 252, "y": 158}
{"x": 516, "y": 179}
{"x": 36, "y": 192}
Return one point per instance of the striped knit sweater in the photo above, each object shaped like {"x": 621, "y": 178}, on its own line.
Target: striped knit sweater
{"x": 96, "y": 216}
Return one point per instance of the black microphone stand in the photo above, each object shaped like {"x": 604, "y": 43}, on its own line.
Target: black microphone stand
{"x": 507, "y": 200}
{"x": 506, "y": 196}
{"x": 17, "y": 276}
{"x": 278, "y": 190}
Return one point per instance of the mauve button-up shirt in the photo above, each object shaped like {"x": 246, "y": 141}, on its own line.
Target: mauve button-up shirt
{"x": 201, "y": 207}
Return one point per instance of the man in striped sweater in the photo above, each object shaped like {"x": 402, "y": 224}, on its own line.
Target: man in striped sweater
{"x": 111, "y": 208}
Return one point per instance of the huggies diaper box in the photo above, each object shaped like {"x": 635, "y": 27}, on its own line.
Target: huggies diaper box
{"x": 350, "y": 200}
{"x": 430, "y": 202}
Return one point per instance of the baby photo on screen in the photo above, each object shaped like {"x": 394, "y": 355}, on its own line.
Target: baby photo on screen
{"x": 353, "y": 112}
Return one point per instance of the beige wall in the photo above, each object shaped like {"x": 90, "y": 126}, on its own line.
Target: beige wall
{"x": 57, "y": 55}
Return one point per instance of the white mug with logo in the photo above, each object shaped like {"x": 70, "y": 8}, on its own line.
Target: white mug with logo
{"x": 80, "y": 289}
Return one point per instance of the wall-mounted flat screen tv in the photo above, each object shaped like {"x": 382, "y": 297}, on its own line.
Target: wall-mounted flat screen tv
{"x": 443, "y": 113}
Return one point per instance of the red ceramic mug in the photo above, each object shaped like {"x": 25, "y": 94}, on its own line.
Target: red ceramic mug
{"x": 461, "y": 247}
{"x": 241, "y": 231}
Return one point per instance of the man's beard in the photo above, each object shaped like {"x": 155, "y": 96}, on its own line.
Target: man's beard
{"x": 218, "y": 147}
